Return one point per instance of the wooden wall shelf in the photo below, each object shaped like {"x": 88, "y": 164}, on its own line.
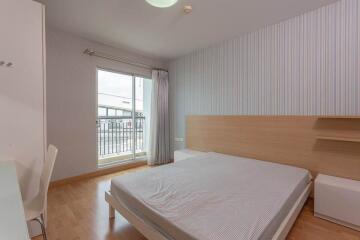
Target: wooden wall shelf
{"x": 336, "y": 138}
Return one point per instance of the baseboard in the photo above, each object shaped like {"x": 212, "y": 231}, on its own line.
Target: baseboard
{"x": 98, "y": 173}
{"x": 346, "y": 224}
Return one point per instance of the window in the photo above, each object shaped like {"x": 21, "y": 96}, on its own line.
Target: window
{"x": 123, "y": 116}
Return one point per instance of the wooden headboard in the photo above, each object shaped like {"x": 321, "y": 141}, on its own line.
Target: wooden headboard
{"x": 328, "y": 145}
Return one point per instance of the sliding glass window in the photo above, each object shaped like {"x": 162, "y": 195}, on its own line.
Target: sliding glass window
{"x": 123, "y": 120}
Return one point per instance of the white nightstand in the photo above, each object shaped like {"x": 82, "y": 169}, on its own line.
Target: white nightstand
{"x": 338, "y": 200}
{"x": 185, "y": 154}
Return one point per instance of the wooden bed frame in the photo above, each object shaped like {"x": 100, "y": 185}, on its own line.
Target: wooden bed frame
{"x": 328, "y": 145}
{"x": 152, "y": 233}
{"x": 144, "y": 227}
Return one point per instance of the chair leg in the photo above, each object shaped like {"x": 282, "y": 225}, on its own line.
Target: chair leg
{"x": 42, "y": 225}
{"x": 111, "y": 212}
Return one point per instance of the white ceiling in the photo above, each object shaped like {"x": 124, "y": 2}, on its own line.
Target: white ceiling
{"x": 168, "y": 33}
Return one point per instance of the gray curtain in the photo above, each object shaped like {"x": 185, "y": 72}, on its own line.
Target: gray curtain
{"x": 159, "y": 146}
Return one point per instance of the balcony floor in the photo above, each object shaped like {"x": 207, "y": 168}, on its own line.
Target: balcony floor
{"x": 118, "y": 158}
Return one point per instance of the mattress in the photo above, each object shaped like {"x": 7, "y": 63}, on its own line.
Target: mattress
{"x": 213, "y": 197}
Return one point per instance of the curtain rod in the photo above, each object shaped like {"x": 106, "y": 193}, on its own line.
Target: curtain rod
{"x": 92, "y": 52}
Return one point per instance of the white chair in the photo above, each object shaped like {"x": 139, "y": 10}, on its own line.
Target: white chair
{"x": 35, "y": 208}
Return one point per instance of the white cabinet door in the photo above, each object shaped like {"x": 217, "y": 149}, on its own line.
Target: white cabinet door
{"x": 22, "y": 90}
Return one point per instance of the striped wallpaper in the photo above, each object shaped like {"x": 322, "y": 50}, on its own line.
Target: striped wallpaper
{"x": 307, "y": 65}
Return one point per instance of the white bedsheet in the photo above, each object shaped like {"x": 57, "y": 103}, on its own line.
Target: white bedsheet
{"x": 213, "y": 197}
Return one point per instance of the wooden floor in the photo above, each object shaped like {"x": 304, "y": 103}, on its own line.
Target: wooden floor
{"x": 78, "y": 211}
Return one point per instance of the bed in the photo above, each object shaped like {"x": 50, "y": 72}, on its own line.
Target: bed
{"x": 211, "y": 197}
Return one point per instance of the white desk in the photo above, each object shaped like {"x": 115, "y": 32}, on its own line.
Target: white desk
{"x": 12, "y": 219}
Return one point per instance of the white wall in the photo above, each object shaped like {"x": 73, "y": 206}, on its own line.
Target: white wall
{"x": 307, "y": 65}
{"x": 71, "y": 98}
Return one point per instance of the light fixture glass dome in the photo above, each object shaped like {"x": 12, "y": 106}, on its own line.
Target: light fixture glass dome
{"x": 162, "y": 3}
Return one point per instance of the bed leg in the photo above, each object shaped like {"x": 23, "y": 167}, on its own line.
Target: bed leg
{"x": 111, "y": 212}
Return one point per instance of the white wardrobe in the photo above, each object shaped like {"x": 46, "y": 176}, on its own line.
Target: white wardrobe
{"x": 22, "y": 90}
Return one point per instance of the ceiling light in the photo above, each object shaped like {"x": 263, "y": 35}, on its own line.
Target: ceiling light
{"x": 161, "y": 3}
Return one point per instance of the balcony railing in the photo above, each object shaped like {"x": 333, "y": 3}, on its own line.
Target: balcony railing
{"x": 115, "y": 136}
